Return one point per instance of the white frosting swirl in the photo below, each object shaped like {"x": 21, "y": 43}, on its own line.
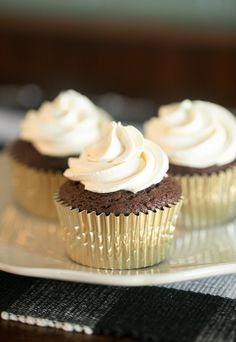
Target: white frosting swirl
{"x": 122, "y": 160}
{"x": 64, "y": 126}
{"x": 194, "y": 133}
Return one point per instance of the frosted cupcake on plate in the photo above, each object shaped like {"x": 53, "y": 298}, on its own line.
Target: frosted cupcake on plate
{"x": 200, "y": 140}
{"x": 48, "y": 137}
{"x": 119, "y": 207}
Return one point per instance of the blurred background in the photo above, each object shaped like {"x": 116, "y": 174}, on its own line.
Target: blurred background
{"x": 129, "y": 56}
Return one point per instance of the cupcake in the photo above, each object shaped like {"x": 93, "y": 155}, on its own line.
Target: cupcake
{"x": 58, "y": 130}
{"x": 118, "y": 207}
{"x": 200, "y": 140}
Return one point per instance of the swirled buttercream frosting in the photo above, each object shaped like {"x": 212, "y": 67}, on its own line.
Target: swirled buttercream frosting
{"x": 194, "y": 133}
{"x": 122, "y": 160}
{"x": 64, "y": 126}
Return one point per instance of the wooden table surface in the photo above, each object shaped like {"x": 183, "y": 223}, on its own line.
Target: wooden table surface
{"x": 18, "y": 332}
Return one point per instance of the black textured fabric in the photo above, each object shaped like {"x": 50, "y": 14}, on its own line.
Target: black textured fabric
{"x": 160, "y": 314}
{"x": 147, "y": 313}
{"x": 12, "y": 287}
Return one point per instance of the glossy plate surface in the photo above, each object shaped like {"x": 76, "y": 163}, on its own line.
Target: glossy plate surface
{"x": 31, "y": 246}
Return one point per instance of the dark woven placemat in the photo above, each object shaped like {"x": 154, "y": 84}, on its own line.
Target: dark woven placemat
{"x": 148, "y": 313}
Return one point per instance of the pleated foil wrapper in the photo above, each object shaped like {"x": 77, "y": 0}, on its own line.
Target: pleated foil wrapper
{"x": 209, "y": 200}
{"x": 34, "y": 189}
{"x": 117, "y": 242}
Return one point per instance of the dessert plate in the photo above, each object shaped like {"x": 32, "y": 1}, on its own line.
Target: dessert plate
{"x": 31, "y": 246}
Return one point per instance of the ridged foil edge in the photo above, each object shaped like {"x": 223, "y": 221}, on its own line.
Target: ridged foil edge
{"x": 34, "y": 189}
{"x": 208, "y": 199}
{"x": 117, "y": 242}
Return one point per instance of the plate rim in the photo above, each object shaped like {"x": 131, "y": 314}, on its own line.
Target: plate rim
{"x": 92, "y": 276}
{"x": 121, "y": 280}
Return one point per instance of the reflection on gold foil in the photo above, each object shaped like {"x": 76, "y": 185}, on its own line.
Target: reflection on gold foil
{"x": 209, "y": 200}
{"x": 43, "y": 239}
{"x": 118, "y": 242}
{"x": 41, "y": 245}
{"x": 34, "y": 189}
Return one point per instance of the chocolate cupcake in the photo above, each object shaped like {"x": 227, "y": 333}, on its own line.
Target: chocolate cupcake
{"x": 58, "y": 130}
{"x": 118, "y": 207}
{"x": 200, "y": 140}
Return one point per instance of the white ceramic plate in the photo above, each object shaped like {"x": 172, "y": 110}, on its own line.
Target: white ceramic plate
{"x": 33, "y": 247}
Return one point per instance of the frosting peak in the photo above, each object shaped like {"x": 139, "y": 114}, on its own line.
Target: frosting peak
{"x": 194, "y": 133}
{"x": 122, "y": 160}
{"x": 64, "y": 126}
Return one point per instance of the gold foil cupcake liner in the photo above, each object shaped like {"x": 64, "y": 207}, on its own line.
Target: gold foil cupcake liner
{"x": 117, "y": 242}
{"x": 34, "y": 189}
{"x": 208, "y": 199}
